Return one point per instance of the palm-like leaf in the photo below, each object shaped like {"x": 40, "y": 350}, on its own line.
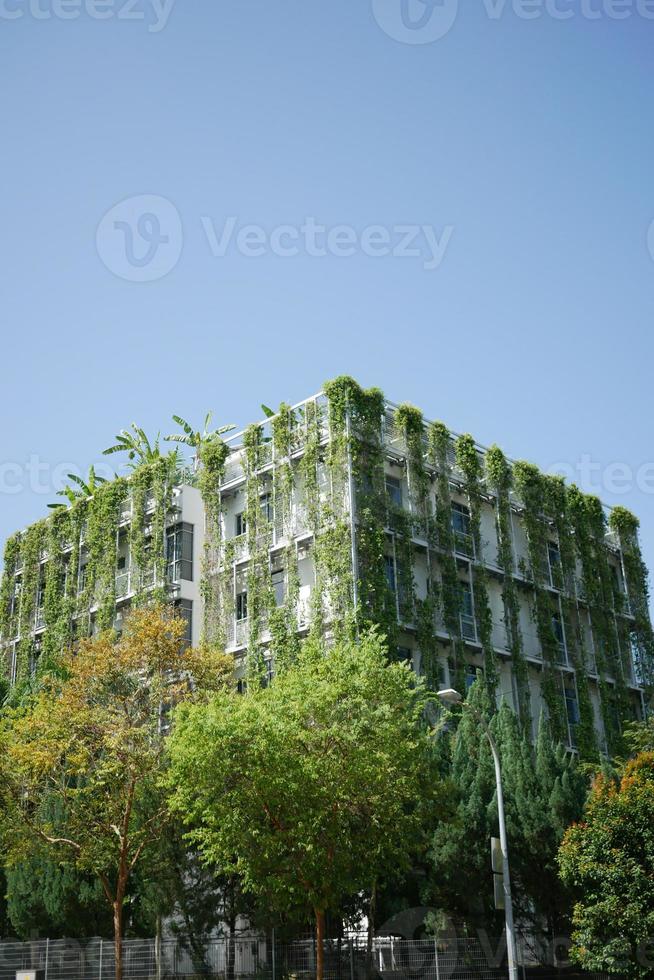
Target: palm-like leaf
{"x": 137, "y": 446}
{"x": 195, "y": 438}
{"x": 82, "y": 489}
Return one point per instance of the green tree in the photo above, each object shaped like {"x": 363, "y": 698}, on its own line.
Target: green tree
{"x": 197, "y": 439}
{"x": 609, "y": 859}
{"x": 311, "y": 788}
{"x": 82, "y": 490}
{"x": 544, "y": 791}
{"x": 46, "y": 899}
{"x": 81, "y": 761}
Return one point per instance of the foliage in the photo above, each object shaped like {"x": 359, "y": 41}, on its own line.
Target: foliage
{"x": 45, "y": 899}
{"x": 81, "y": 760}
{"x": 311, "y": 788}
{"x": 544, "y": 791}
{"x": 66, "y": 566}
{"x": 82, "y": 489}
{"x": 609, "y": 859}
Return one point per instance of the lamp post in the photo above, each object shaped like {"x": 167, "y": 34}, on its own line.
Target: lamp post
{"x": 450, "y": 696}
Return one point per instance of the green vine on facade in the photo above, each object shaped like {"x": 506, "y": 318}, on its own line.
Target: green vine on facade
{"x": 499, "y": 477}
{"x": 469, "y": 462}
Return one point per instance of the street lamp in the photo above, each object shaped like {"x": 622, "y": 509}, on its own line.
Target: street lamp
{"x": 450, "y": 696}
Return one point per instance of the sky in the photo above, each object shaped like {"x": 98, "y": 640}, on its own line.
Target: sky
{"x": 219, "y": 203}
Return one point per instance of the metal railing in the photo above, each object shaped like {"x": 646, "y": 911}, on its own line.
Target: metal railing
{"x": 257, "y": 958}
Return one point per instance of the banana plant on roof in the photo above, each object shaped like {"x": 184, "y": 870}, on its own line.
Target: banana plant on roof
{"x": 82, "y": 490}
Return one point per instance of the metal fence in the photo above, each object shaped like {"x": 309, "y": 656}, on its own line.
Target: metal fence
{"x": 261, "y": 959}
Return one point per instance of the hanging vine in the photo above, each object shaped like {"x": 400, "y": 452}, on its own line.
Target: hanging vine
{"x": 626, "y": 525}
{"x": 530, "y": 484}
{"x": 499, "y": 477}
{"x": 451, "y": 597}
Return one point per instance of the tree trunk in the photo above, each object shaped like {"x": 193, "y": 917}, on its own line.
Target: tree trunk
{"x": 371, "y": 930}
{"x": 320, "y": 944}
{"x": 231, "y": 945}
{"x": 118, "y": 937}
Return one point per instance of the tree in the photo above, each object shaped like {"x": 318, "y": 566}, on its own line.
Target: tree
{"x": 48, "y": 900}
{"x": 82, "y": 490}
{"x": 81, "y": 762}
{"x": 312, "y": 787}
{"x": 138, "y": 447}
{"x": 197, "y": 439}
{"x": 609, "y": 859}
{"x": 544, "y": 791}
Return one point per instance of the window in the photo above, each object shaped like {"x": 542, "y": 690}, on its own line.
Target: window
{"x": 266, "y": 505}
{"x": 179, "y": 552}
{"x": 241, "y": 607}
{"x": 390, "y": 572}
{"x": 468, "y": 628}
{"x": 557, "y": 629}
{"x": 394, "y": 490}
{"x": 463, "y": 542}
{"x": 405, "y": 655}
{"x": 40, "y": 595}
{"x": 471, "y": 676}
{"x": 241, "y": 524}
{"x": 571, "y": 707}
{"x": 554, "y": 556}
{"x": 184, "y": 608}
{"x": 121, "y": 563}
{"x": 81, "y": 579}
{"x": 279, "y": 586}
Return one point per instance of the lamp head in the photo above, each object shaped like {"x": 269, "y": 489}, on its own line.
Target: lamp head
{"x": 450, "y": 696}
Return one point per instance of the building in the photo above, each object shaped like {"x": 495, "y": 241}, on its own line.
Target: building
{"x": 346, "y": 511}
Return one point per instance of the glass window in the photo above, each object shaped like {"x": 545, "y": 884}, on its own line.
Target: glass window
{"x": 179, "y": 552}
{"x": 468, "y": 628}
{"x": 279, "y": 586}
{"x": 394, "y": 490}
{"x": 241, "y": 524}
{"x": 463, "y": 542}
{"x": 390, "y": 573}
{"x": 571, "y": 707}
{"x": 460, "y": 518}
{"x": 266, "y": 504}
{"x": 471, "y": 675}
{"x": 184, "y": 609}
{"x": 557, "y": 629}
{"x": 241, "y": 606}
{"x": 405, "y": 655}
{"x": 554, "y": 556}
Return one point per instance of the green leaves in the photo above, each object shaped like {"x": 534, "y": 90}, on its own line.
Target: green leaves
{"x": 310, "y": 788}
{"x": 609, "y": 860}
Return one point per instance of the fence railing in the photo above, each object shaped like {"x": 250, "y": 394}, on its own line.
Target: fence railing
{"x": 262, "y": 959}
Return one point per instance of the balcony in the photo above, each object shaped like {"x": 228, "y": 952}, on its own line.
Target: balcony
{"x": 464, "y": 544}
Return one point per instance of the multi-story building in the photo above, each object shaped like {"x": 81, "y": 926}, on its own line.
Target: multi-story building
{"x": 345, "y": 511}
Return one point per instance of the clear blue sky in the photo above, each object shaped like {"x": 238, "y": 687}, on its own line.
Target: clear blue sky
{"x": 531, "y": 140}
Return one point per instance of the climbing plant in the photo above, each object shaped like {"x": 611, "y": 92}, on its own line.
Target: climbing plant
{"x": 323, "y": 469}
{"x": 469, "y": 462}
{"x": 59, "y": 579}
{"x": 499, "y": 477}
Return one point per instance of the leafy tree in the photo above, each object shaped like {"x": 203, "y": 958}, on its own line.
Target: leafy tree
{"x": 311, "y": 788}
{"x": 543, "y": 792}
{"x": 609, "y": 859}
{"x": 196, "y": 440}
{"x": 82, "y": 489}
{"x": 139, "y": 448}
{"x": 81, "y": 761}
{"x": 46, "y": 899}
